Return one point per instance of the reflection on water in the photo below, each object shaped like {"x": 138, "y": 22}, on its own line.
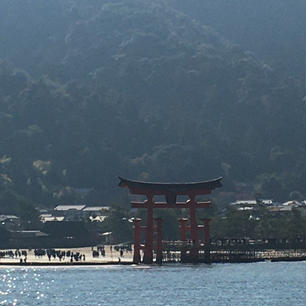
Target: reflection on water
{"x": 265, "y": 283}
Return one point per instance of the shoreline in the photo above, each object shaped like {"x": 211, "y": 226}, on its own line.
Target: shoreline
{"x": 129, "y": 263}
{"x": 115, "y": 257}
{"x": 65, "y": 264}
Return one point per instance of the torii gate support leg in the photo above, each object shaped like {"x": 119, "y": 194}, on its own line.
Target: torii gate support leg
{"x": 159, "y": 242}
{"x": 136, "y": 255}
{"x": 207, "y": 240}
{"x": 148, "y": 252}
{"x": 183, "y": 222}
{"x": 194, "y": 230}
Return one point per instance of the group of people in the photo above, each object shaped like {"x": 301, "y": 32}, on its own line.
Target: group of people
{"x": 22, "y": 255}
{"x": 64, "y": 255}
{"x": 61, "y": 255}
{"x": 13, "y": 254}
{"x": 100, "y": 251}
{"x": 123, "y": 248}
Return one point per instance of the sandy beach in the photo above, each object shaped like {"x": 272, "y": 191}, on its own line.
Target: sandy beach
{"x": 86, "y": 253}
{"x": 113, "y": 256}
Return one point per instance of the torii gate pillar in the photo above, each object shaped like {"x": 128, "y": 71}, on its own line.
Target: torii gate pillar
{"x": 194, "y": 254}
{"x": 148, "y": 251}
{"x": 183, "y": 227}
{"x": 207, "y": 240}
{"x": 136, "y": 256}
{"x": 159, "y": 242}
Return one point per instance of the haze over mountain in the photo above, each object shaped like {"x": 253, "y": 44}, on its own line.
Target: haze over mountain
{"x": 90, "y": 90}
{"x": 273, "y": 30}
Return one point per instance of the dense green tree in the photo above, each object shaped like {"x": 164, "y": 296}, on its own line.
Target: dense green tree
{"x": 29, "y": 216}
{"x": 119, "y": 225}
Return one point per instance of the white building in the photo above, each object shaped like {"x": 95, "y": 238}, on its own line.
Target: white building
{"x": 69, "y": 212}
{"x": 250, "y": 204}
{"x": 76, "y": 213}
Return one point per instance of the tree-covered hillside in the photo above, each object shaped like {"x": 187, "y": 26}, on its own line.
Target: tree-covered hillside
{"x": 273, "y": 29}
{"x": 90, "y": 90}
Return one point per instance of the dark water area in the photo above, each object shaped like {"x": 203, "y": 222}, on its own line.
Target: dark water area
{"x": 263, "y": 283}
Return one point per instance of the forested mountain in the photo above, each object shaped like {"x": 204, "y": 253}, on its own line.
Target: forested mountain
{"x": 273, "y": 30}
{"x": 90, "y": 90}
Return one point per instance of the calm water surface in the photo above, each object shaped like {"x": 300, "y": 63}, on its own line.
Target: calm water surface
{"x": 265, "y": 283}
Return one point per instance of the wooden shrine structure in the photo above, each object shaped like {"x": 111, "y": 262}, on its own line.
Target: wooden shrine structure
{"x": 170, "y": 191}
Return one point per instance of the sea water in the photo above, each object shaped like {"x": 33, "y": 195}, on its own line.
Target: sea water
{"x": 248, "y": 284}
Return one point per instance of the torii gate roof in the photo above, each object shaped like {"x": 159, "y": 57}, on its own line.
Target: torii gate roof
{"x": 138, "y": 187}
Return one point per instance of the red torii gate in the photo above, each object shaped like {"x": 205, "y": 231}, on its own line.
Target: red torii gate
{"x": 170, "y": 191}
